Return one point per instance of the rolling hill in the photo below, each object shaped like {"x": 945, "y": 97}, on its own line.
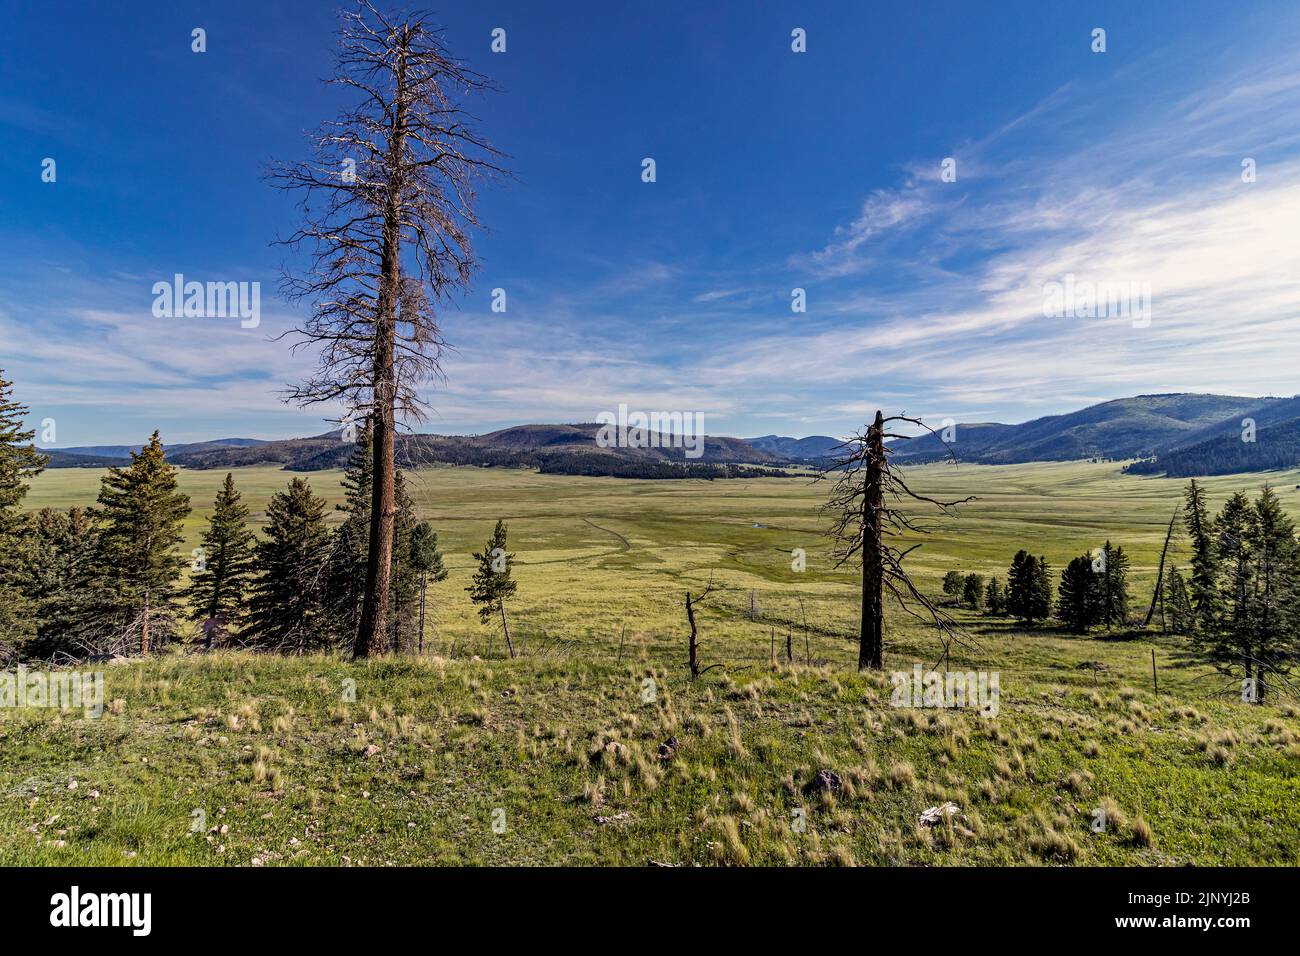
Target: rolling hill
{"x": 101, "y": 456}
{"x": 565, "y": 449}
{"x": 1144, "y": 426}
{"x": 812, "y": 448}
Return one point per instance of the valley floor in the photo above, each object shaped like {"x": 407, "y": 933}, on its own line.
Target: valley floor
{"x": 464, "y": 756}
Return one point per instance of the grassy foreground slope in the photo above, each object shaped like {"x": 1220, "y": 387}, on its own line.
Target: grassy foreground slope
{"x": 560, "y": 750}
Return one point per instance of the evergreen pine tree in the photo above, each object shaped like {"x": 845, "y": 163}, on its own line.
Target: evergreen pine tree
{"x": 404, "y": 582}
{"x": 217, "y": 588}
{"x": 286, "y": 608}
{"x": 492, "y": 586}
{"x": 1258, "y": 561}
{"x": 140, "y": 562}
{"x": 1178, "y": 606}
{"x": 1230, "y": 637}
{"x": 346, "y": 572}
{"x": 1029, "y": 593}
{"x": 1017, "y": 584}
{"x": 19, "y": 462}
{"x": 19, "y": 459}
{"x": 1112, "y": 587}
{"x": 1040, "y": 601}
{"x": 994, "y": 598}
{"x": 1275, "y": 610}
{"x": 972, "y": 592}
{"x": 425, "y": 560}
{"x": 1201, "y": 586}
{"x": 1076, "y": 598}
{"x": 66, "y": 584}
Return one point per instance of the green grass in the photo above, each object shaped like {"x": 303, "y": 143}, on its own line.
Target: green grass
{"x": 563, "y": 742}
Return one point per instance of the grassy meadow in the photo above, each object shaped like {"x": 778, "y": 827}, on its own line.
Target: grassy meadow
{"x": 465, "y": 756}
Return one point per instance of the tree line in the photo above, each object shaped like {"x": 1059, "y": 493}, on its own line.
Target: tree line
{"x": 1092, "y": 590}
{"x": 1237, "y": 599}
{"x": 110, "y": 579}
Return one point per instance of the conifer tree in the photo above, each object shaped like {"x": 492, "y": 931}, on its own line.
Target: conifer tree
{"x": 1201, "y": 588}
{"x": 66, "y": 584}
{"x": 346, "y": 572}
{"x": 492, "y": 585}
{"x": 1258, "y": 560}
{"x": 142, "y": 513}
{"x": 387, "y": 244}
{"x": 19, "y": 462}
{"x": 1040, "y": 604}
{"x": 226, "y": 567}
{"x": 426, "y": 560}
{"x": 972, "y": 592}
{"x": 1020, "y": 585}
{"x": 1178, "y": 605}
{"x": 994, "y": 597}
{"x": 286, "y": 608}
{"x": 1076, "y": 598}
{"x": 404, "y": 582}
{"x": 1275, "y": 611}
{"x": 867, "y": 523}
{"x": 1112, "y": 587}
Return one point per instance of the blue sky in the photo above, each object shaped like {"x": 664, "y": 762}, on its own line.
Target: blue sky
{"x": 775, "y": 170}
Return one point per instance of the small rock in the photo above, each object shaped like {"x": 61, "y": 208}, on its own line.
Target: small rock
{"x": 257, "y": 861}
{"x": 668, "y": 748}
{"x": 72, "y": 785}
{"x": 826, "y": 780}
{"x": 371, "y": 750}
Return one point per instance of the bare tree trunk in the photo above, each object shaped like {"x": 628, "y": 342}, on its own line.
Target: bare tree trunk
{"x": 506, "y": 627}
{"x": 789, "y": 651}
{"x": 383, "y": 499}
{"x": 1160, "y": 573}
{"x": 144, "y": 627}
{"x": 871, "y": 647}
{"x": 694, "y": 647}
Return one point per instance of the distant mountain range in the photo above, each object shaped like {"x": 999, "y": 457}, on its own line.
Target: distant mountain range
{"x": 565, "y": 449}
{"x": 1178, "y": 434}
{"x": 1172, "y": 433}
{"x": 105, "y": 455}
{"x": 812, "y": 448}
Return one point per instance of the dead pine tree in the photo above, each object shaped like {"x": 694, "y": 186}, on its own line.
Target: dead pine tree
{"x": 693, "y": 646}
{"x": 388, "y": 204}
{"x": 1158, "y": 596}
{"x": 865, "y": 518}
